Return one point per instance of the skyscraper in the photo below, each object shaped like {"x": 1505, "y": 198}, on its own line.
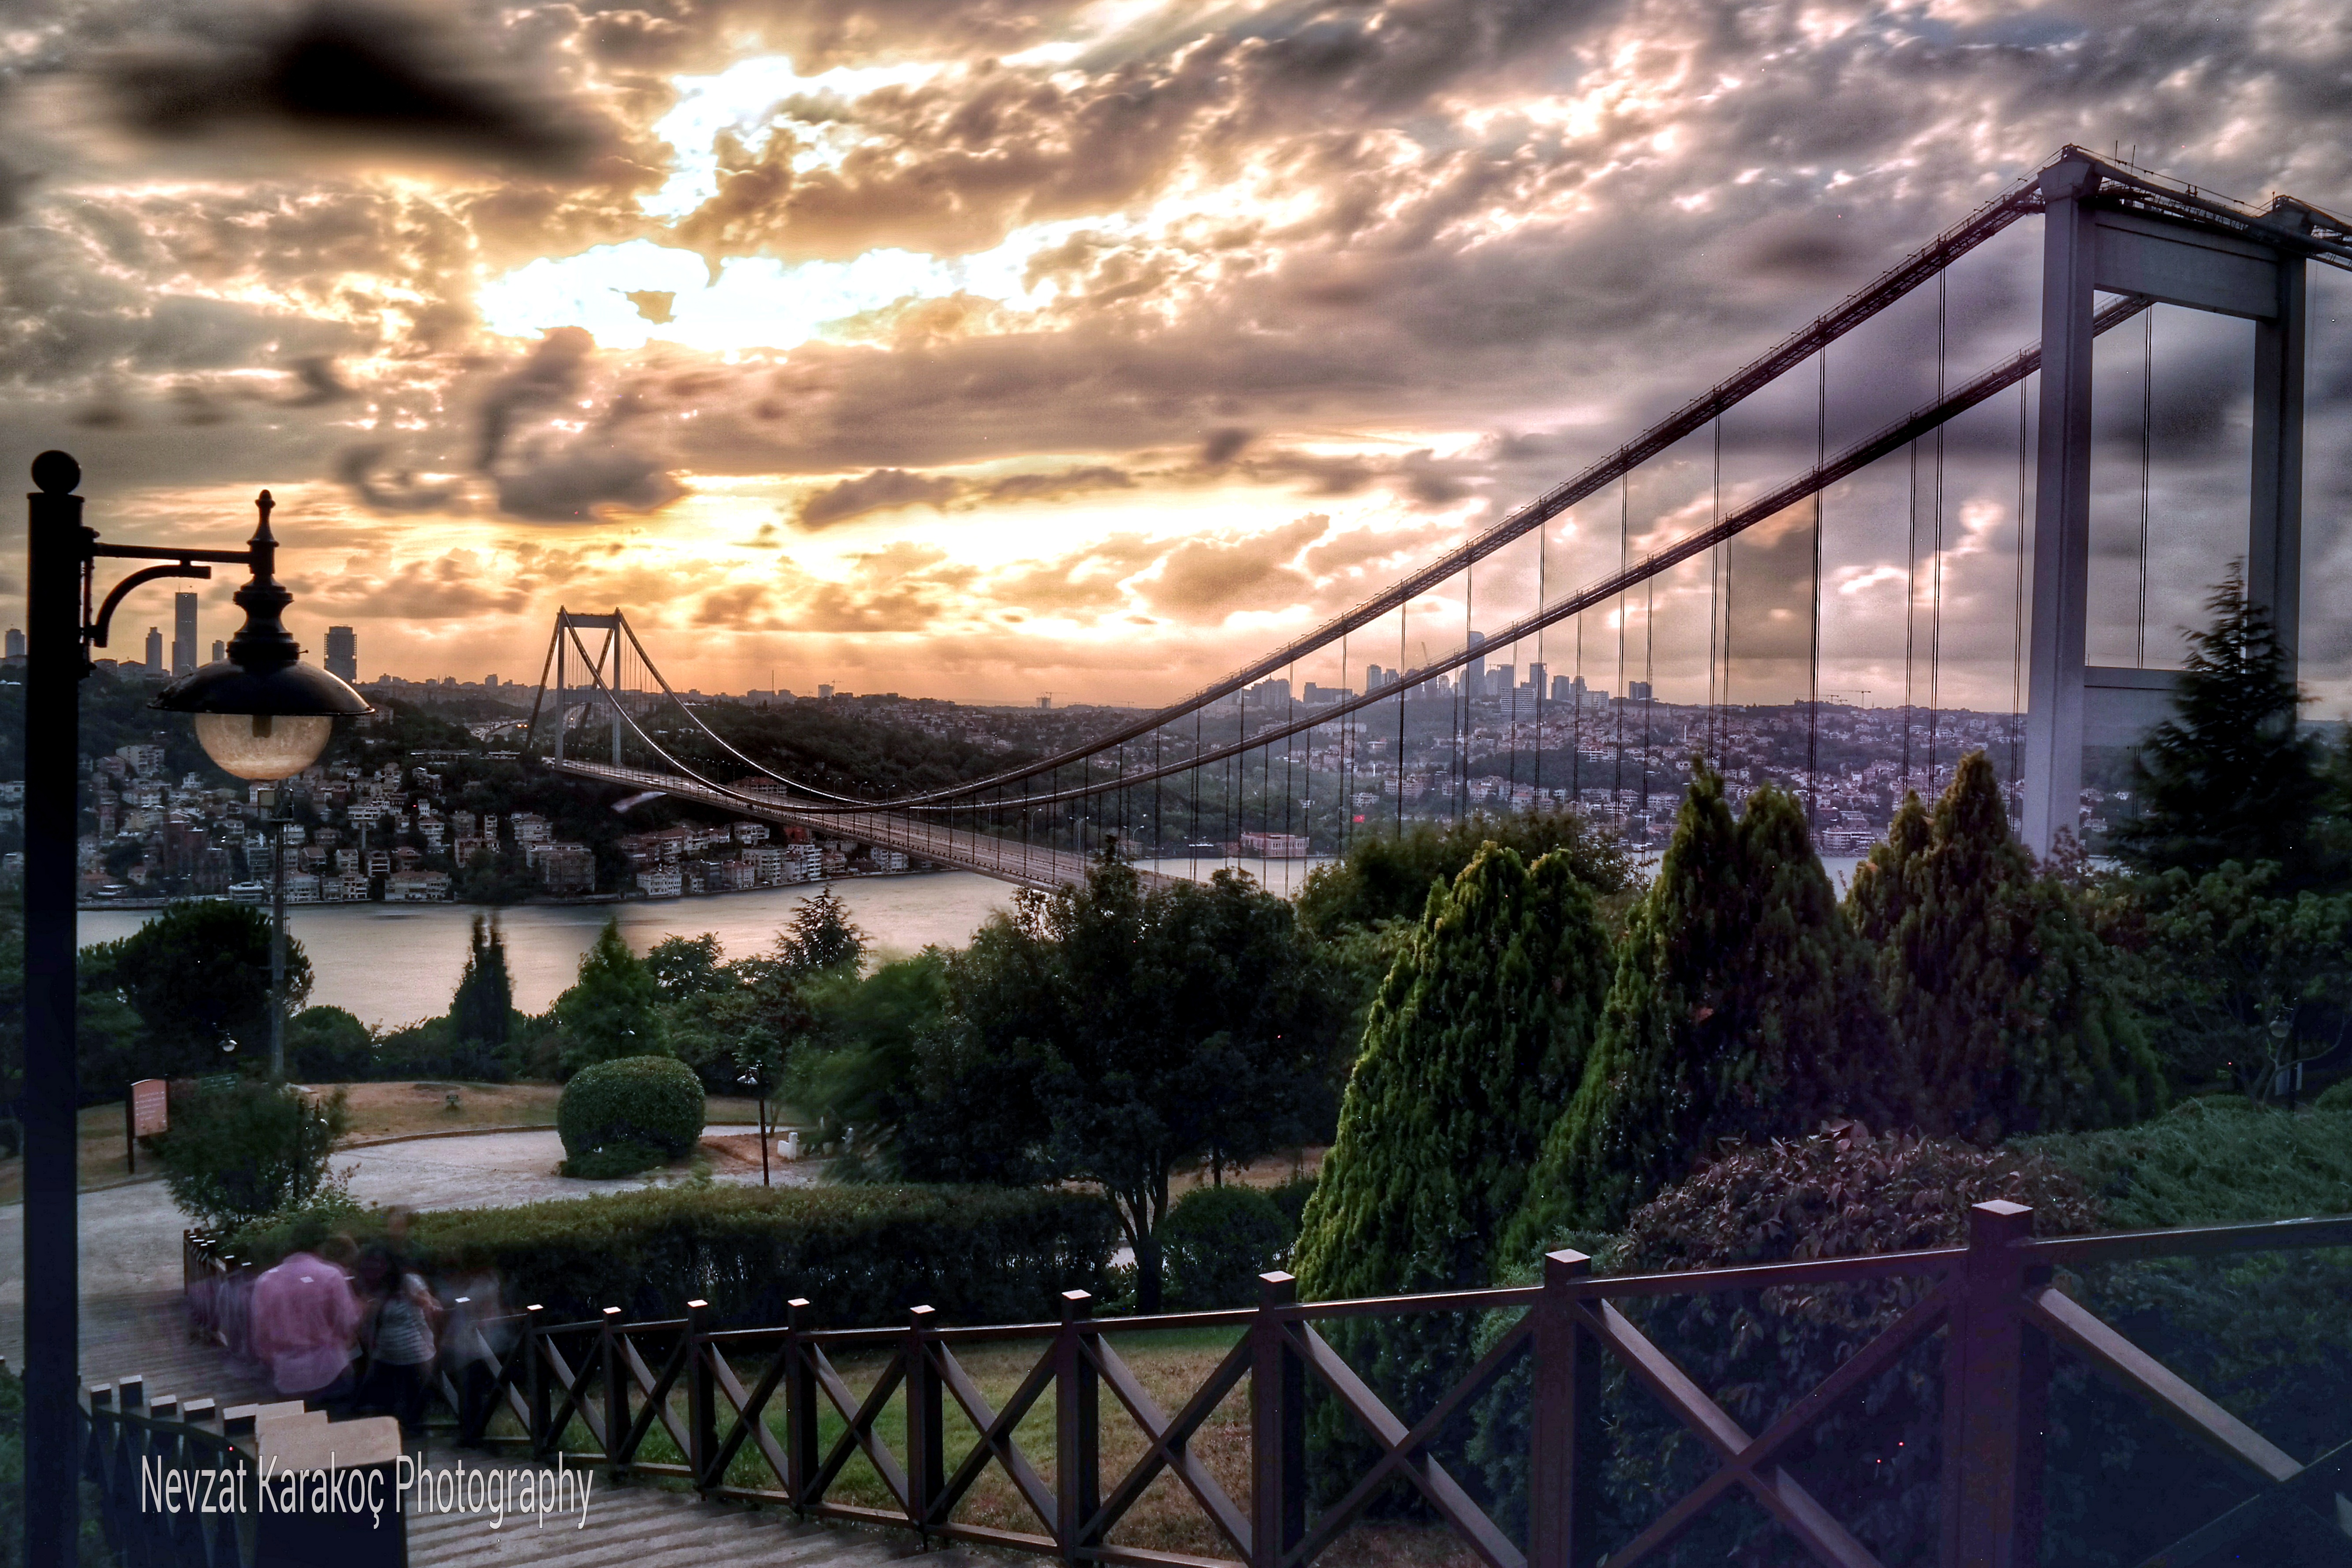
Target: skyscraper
{"x": 220, "y": 650}
{"x": 1474, "y": 674}
{"x": 16, "y": 643}
{"x": 183, "y": 634}
{"x": 155, "y": 650}
{"x": 342, "y": 652}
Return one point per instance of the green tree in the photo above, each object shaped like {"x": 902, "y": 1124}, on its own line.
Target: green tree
{"x": 1477, "y": 1036}
{"x": 1741, "y": 1009}
{"x": 2009, "y": 1014}
{"x": 243, "y": 1149}
{"x": 866, "y": 1034}
{"x": 684, "y": 965}
{"x": 2230, "y": 777}
{"x": 481, "y": 1012}
{"x": 330, "y": 1045}
{"x": 820, "y": 937}
{"x": 612, "y": 1011}
{"x": 2238, "y": 980}
{"x": 1113, "y": 1033}
{"x": 198, "y": 977}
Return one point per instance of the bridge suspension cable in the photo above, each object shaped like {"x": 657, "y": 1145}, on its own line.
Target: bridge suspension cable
{"x": 1891, "y": 439}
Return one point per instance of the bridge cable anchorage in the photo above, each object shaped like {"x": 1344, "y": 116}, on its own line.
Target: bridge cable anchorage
{"x": 1854, "y": 458}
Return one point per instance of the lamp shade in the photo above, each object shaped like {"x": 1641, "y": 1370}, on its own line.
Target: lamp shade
{"x": 262, "y": 724}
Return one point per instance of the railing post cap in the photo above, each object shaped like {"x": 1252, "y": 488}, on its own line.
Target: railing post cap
{"x": 1077, "y": 1304}
{"x": 919, "y": 1317}
{"x": 1997, "y": 1222}
{"x": 1565, "y": 1265}
{"x": 695, "y": 1306}
{"x": 1278, "y": 1288}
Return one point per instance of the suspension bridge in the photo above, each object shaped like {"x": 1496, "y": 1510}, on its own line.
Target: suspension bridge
{"x": 2116, "y": 242}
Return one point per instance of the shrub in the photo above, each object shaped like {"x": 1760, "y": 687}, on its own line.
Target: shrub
{"x": 2263, "y": 1334}
{"x": 2337, "y": 1097}
{"x": 860, "y": 1255}
{"x": 1217, "y": 1241}
{"x": 1872, "y": 1461}
{"x": 655, "y": 1101}
{"x": 622, "y": 1157}
{"x": 239, "y": 1149}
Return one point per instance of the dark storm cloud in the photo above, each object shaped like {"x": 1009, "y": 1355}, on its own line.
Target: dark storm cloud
{"x": 883, "y": 489}
{"x": 360, "y": 468}
{"x": 580, "y": 481}
{"x": 400, "y": 77}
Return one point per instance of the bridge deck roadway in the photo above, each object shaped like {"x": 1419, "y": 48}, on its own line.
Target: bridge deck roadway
{"x": 1024, "y": 864}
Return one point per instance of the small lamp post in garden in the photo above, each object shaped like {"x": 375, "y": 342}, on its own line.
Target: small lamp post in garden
{"x": 263, "y": 716}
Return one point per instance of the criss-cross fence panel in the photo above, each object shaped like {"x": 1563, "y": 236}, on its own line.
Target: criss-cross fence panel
{"x": 1999, "y": 1318}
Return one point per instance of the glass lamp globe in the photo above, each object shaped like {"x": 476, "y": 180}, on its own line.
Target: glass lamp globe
{"x": 262, "y": 748}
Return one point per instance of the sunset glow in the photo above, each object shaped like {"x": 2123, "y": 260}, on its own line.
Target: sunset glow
{"x": 976, "y": 352}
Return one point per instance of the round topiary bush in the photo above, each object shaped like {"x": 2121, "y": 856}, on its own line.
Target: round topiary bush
{"x": 1216, "y": 1241}
{"x": 654, "y": 1102}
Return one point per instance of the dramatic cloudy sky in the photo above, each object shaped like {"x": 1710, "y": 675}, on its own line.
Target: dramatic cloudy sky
{"x": 976, "y": 349}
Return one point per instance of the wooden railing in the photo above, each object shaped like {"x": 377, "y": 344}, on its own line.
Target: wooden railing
{"x": 622, "y": 1381}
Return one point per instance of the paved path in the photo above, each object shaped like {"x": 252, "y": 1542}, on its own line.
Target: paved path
{"x": 131, "y": 1233}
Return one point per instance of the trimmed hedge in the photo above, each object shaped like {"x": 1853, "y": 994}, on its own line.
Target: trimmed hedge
{"x": 653, "y": 1100}
{"x": 860, "y": 1255}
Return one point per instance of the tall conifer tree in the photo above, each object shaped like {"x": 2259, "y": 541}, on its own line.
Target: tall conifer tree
{"x": 2008, "y": 1019}
{"x": 2230, "y": 776}
{"x": 1741, "y": 1009}
{"x": 481, "y": 1010}
{"x": 1477, "y": 1036}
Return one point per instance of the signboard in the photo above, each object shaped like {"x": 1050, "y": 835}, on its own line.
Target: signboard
{"x": 144, "y": 1110}
{"x": 147, "y": 1108}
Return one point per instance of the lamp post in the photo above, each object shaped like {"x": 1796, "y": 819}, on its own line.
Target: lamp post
{"x": 261, "y": 715}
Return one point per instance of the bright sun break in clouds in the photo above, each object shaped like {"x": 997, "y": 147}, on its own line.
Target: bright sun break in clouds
{"x": 755, "y": 301}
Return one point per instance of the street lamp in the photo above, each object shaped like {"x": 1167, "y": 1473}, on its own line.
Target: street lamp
{"x": 261, "y": 715}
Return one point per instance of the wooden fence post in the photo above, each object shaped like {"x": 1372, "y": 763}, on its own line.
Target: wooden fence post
{"x": 1566, "y": 1444}
{"x": 1077, "y": 1447}
{"x": 616, "y": 1394}
{"x": 1995, "y": 1385}
{"x": 702, "y": 1419}
{"x": 1277, "y": 1428}
{"x": 800, "y": 1405}
{"x": 534, "y": 1371}
{"x": 926, "y": 1472}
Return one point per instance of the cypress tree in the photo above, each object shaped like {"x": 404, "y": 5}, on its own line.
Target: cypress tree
{"x": 1741, "y": 1009}
{"x": 481, "y": 1010}
{"x": 1474, "y": 1040}
{"x": 2230, "y": 776}
{"x": 2009, "y": 1020}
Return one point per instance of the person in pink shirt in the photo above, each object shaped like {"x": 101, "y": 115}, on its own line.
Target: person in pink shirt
{"x": 306, "y": 1318}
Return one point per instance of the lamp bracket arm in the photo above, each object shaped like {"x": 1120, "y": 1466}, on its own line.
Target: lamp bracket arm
{"x": 166, "y": 552}
{"x": 95, "y": 633}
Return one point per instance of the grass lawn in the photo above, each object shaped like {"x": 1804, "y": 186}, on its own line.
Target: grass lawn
{"x": 378, "y": 1110}
{"x": 1170, "y": 1364}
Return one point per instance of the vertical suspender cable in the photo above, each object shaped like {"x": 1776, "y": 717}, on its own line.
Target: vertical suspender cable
{"x": 1712, "y": 746}
{"x": 1347, "y": 764}
{"x": 1576, "y": 724}
{"x": 1910, "y": 608}
{"x": 1624, "y": 558}
{"x": 1402, "y": 611}
{"x": 1935, "y": 568}
{"x": 2146, "y": 425}
{"x": 1649, "y": 691}
{"x": 1813, "y": 654}
{"x": 1543, "y": 554}
{"x": 2017, "y": 617}
{"x": 1462, "y": 706}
